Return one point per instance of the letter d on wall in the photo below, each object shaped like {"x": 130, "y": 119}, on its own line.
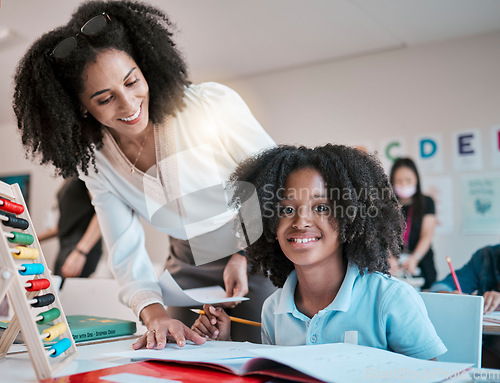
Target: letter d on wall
{"x": 428, "y": 147}
{"x": 430, "y": 158}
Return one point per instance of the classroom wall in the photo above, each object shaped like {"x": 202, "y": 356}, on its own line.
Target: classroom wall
{"x": 440, "y": 88}
{"x": 43, "y": 183}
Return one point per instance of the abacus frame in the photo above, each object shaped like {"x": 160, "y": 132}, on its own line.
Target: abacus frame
{"x": 24, "y": 319}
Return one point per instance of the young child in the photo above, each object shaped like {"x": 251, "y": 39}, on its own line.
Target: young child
{"x": 330, "y": 221}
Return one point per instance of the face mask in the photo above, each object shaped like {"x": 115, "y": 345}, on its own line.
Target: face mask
{"x": 405, "y": 191}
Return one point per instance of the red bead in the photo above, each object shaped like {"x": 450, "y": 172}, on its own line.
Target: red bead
{"x": 38, "y": 284}
{"x": 11, "y": 207}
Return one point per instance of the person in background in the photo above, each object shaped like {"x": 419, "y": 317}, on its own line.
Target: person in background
{"x": 481, "y": 276}
{"x": 107, "y": 96}
{"x": 420, "y": 215}
{"x": 330, "y": 220}
{"x": 80, "y": 245}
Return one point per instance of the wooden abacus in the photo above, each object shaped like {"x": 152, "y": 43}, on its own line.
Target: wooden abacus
{"x": 30, "y": 289}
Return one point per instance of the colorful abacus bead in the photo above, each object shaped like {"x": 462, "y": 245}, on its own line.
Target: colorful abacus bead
{"x": 58, "y": 348}
{"x": 21, "y": 252}
{"x": 20, "y": 238}
{"x": 10, "y": 206}
{"x": 48, "y": 316}
{"x": 42, "y": 300}
{"x": 12, "y": 221}
{"x": 37, "y": 284}
{"x": 31, "y": 269}
{"x": 53, "y": 332}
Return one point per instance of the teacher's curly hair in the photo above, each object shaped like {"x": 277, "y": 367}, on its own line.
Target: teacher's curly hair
{"x": 45, "y": 99}
{"x": 364, "y": 209}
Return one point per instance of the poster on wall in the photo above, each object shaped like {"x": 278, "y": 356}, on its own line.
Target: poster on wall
{"x": 495, "y": 146}
{"x": 390, "y": 150}
{"x": 467, "y": 150}
{"x": 480, "y": 204}
{"x": 430, "y": 153}
{"x": 440, "y": 189}
{"x": 24, "y": 184}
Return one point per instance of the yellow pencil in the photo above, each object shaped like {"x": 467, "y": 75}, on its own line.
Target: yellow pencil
{"x": 233, "y": 319}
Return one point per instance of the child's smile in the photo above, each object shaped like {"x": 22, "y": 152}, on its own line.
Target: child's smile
{"x": 303, "y": 241}
{"x": 305, "y": 230}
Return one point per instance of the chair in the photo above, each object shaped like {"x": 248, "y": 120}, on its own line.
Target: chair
{"x": 458, "y": 320}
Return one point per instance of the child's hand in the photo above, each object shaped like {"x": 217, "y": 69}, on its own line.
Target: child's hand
{"x": 214, "y": 324}
{"x": 491, "y": 301}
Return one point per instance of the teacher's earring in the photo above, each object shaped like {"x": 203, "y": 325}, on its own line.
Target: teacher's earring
{"x": 85, "y": 113}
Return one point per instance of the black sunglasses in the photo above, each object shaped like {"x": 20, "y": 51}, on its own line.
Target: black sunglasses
{"x": 91, "y": 28}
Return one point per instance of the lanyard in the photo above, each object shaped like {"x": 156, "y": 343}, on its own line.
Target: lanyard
{"x": 406, "y": 237}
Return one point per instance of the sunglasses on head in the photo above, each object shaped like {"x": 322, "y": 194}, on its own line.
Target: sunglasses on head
{"x": 91, "y": 28}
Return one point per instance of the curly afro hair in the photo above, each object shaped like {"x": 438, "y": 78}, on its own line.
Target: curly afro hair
{"x": 46, "y": 91}
{"x": 365, "y": 211}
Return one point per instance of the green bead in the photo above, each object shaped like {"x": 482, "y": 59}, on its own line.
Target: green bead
{"x": 49, "y": 316}
{"x": 21, "y": 238}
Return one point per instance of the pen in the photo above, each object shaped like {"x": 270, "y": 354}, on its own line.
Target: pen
{"x": 233, "y": 319}
{"x": 455, "y": 279}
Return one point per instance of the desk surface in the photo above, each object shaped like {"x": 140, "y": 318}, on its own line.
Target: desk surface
{"x": 490, "y": 328}
{"x": 16, "y": 368}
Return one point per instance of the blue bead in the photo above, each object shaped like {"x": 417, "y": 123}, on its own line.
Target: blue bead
{"x": 60, "y": 347}
{"x": 32, "y": 269}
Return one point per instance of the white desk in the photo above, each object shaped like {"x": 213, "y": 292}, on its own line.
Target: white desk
{"x": 490, "y": 328}
{"x": 17, "y": 368}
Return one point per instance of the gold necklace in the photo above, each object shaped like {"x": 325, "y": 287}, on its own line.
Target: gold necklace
{"x": 140, "y": 151}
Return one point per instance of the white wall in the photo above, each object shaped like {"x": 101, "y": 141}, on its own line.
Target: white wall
{"x": 43, "y": 183}
{"x": 439, "y": 88}
{"x": 444, "y": 87}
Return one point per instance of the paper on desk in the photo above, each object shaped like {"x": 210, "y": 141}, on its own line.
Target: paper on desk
{"x": 207, "y": 352}
{"x": 493, "y": 317}
{"x": 174, "y": 296}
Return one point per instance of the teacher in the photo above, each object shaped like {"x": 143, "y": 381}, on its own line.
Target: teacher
{"x": 107, "y": 97}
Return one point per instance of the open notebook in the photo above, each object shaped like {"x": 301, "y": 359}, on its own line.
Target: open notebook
{"x": 334, "y": 362}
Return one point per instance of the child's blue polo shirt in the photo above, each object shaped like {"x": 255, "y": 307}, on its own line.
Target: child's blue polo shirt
{"x": 386, "y": 314}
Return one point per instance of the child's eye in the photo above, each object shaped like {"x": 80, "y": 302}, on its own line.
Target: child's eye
{"x": 322, "y": 208}
{"x": 132, "y": 83}
{"x": 287, "y": 210}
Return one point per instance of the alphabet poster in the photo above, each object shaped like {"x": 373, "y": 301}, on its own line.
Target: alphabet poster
{"x": 467, "y": 150}
{"x": 440, "y": 189}
{"x": 390, "y": 150}
{"x": 430, "y": 153}
{"x": 495, "y": 146}
{"x": 481, "y": 204}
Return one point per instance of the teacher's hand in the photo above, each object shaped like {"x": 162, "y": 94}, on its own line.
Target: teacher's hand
{"x": 410, "y": 265}
{"x": 235, "y": 278}
{"x": 162, "y": 328}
